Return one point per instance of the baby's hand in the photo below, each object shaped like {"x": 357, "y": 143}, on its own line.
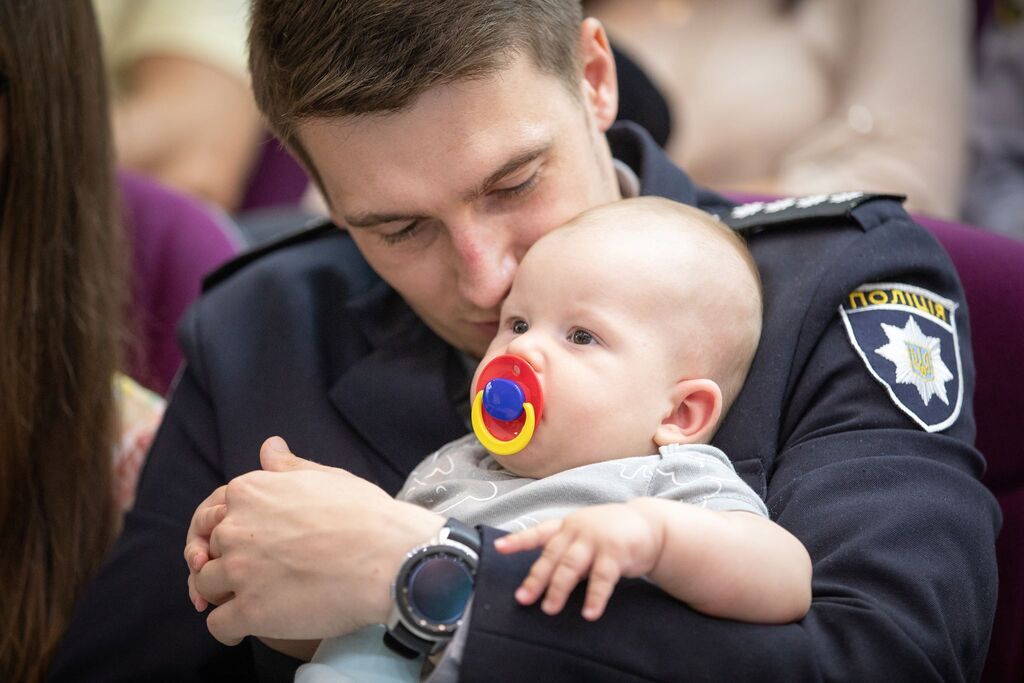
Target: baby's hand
{"x": 606, "y": 541}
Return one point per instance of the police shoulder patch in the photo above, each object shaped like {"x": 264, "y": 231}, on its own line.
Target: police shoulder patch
{"x": 907, "y": 337}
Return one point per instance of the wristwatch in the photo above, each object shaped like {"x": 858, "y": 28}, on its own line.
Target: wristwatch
{"x": 431, "y": 591}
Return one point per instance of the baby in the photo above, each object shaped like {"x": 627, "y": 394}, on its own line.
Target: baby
{"x": 639, "y": 320}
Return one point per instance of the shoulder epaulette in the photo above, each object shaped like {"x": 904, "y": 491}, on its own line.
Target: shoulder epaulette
{"x": 756, "y": 216}
{"x": 306, "y": 234}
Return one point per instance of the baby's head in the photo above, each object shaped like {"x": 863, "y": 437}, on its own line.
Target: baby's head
{"x": 641, "y": 319}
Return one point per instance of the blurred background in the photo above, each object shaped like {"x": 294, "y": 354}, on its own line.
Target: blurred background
{"x": 771, "y": 97}
{"x": 102, "y": 255}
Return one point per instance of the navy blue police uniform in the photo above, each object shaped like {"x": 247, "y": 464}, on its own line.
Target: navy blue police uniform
{"x": 832, "y": 428}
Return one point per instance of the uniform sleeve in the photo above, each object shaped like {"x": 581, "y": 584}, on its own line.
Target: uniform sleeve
{"x": 135, "y": 621}
{"x": 899, "y": 528}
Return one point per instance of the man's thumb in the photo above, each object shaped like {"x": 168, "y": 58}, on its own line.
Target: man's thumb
{"x": 275, "y": 456}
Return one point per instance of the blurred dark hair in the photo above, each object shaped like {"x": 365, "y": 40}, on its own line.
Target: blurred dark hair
{"x": 62, "y": 280}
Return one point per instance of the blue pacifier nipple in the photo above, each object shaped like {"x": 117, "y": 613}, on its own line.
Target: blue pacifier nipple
{"x": 503, "y": 399}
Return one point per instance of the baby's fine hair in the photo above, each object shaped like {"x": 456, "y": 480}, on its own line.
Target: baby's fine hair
{"x": 743, "y": 312}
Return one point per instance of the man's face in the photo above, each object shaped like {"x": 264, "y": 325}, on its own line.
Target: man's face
{"x": 592, "y": 329}
{"x": 443, "y": 199}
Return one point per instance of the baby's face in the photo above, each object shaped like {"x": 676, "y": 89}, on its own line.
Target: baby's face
{"x": 593, "y": 330}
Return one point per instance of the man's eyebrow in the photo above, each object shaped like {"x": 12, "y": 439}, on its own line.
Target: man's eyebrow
{"x": 513, "y": 164}
{"x": 370, "y": 219}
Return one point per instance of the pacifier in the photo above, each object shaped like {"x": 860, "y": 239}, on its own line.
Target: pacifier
{"x": 507, "y": 405}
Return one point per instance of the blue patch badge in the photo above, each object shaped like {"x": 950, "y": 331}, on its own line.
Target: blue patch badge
{"x": 907, "y": 337}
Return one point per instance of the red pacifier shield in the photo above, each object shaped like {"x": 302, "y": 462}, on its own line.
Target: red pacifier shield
{"x": 516, "y": 384}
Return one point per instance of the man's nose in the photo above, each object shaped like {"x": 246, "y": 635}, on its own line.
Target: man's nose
{"x": 485, "y": 261}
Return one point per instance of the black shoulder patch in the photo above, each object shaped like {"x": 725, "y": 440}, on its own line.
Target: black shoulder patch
{"x": 756, "y": 216}
{"x": 318, "y": 229}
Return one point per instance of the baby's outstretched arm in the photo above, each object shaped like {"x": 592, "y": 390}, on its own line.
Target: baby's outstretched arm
{"x": 702, "y": 557}
{"x": 604, "y": 541}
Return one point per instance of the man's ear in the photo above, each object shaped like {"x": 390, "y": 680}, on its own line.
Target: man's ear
{"x": 600, "y": 84}
{"x": 696, "y": 407}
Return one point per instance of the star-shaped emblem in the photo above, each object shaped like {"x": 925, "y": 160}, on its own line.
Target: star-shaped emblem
{"x": 917, "y": 359}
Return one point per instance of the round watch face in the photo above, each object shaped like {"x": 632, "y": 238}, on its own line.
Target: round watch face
{"x": 439, "y": 588}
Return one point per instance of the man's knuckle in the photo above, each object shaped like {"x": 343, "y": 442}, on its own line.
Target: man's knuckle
{"x": 241, "y": 487}
{"x": 235, "y": 569}
{"x": 220, "y": 536}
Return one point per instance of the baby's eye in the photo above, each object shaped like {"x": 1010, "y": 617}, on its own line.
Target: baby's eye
{"x": 520, "y": 327}
{"x": 581, "y": 337}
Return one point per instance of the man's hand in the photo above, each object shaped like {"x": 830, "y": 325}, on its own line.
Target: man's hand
{"x": 299, "y": 550}
{"x": 606, "y": 541}
{"x": 197, "y": 543}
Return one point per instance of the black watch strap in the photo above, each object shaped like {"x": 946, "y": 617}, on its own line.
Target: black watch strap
{"x": 464, "y": 534}
{"x": 404, "y": 642}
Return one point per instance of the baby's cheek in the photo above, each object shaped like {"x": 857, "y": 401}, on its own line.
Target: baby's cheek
{"x": 617, "y": 434}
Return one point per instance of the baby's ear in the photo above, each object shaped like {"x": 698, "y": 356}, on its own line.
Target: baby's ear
{"x": 696, "y": 407}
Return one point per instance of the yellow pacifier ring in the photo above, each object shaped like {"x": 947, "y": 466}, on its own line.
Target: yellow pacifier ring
{"x": 493, "y": 444}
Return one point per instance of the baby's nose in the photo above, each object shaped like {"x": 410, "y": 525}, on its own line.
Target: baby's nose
{"x": 528, "y": 348}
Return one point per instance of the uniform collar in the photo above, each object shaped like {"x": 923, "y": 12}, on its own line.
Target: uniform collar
{"x": 409, "y": 376}
{"x": 629, "y": 182}
{"x": 634, "y": 148}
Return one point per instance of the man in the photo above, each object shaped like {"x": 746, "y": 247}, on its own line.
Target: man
{"x": 447, "y": 137}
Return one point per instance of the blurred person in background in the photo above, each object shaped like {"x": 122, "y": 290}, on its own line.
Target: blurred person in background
{"x": 994, "y": 196}
{"x": 802, "y": 97}
{"x": 183, "y": 111}
{"x": 74, "y": 427}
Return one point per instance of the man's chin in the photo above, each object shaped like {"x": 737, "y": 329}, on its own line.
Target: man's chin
{"x": 483, "y": 335}
{"x": 472, "y": 338}
{"x": 471, "y": 342}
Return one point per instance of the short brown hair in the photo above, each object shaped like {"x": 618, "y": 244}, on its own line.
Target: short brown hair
{"x": 334, "y": 59}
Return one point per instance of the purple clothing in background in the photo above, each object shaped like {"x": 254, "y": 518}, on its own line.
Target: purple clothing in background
{"x": 991, "y": 268}
{"x": 277, "y": 179}
{"x": 174, "y": 242}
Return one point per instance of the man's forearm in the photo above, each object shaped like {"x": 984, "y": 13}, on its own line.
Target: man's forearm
{"x": 299, "y": 649}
